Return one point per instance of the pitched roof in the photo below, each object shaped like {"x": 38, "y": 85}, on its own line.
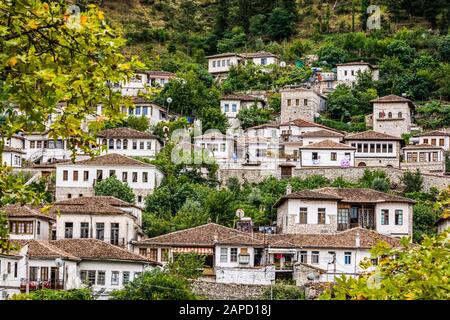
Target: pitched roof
{"x": 11, "y": 149}
{"x": 157, "y": 73}
{"x": 421, "y": 146}
{"x": 357, "y": 63}
{"x": 259, "y": 54}
{"x": 353, "y": 195}
{"x": 110, "y": 159}
{"x": 205, "y": 236}
{"x": 125, "y": 133}
{"x": 391, "y": 98}
{"x": 39, "y": 249}
{"x": 303, "y": 123}
{"x": 26, "y": 211}
{"x": 322, "y": 133}
{"x": 436, "y": 133}
{"x": 371, "y": 135}
{"x": 240, "y": 97}
{"x": 328, "y": 144}
{"x": 92, "y": 205}
{"x": 266, "y": 125}
{"x": 220, "y": 55}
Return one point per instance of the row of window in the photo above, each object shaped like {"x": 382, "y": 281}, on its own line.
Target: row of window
{"x": 152, "y": 254}
{"x": 99, "y": 177}
{"x": 119, "y": 144}
{"x": 221, "y": 63}
{"x": 214, "y": 147}
{"x": 297, "y": 102}
{"x": 422, "y": 156}
{"x": 385, "y": 217}
{"x": 434, "y": 142}
{"x": 226, "y": 107}
{"x": 303, "y": 215}
{"x": 230, "y": 254}
{"x": 86, "y": 233}
{"x": 333, "y": 156}
{"x": 314, "y": 258}
{"x": 46, "y": 144}
{"x": 9, "y": 268}
{"x": 382, "y": 115}
{"x": 24, "y": 227}
{"x": 97, "y": 277}
{"x": 374, "y": 147}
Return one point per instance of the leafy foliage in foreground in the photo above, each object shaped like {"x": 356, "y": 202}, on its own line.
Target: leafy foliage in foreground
{"x": 47, "y": 294}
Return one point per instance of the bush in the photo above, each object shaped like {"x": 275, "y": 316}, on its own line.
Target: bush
{"x": 114, "y": 188}
{"x": 283, "y": 291}
{"x": 47, "y": 294}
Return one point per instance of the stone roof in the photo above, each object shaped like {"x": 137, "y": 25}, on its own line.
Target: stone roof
{"x": 328, "y": 144}
{"x": 39, "y": 249}
{"x": 125, "y": 133}
{"x": 111, "y": 159}
{"x": 371, "y": 135}
{"x": 322, "y": 133}
{"x": 434, "y": 133}
{"x": 220, "y": 55}
{"x": 352, "y": 195}
{"x": 92, "y": 205}
{"x": 391, "y": 99}
{"x": 240, "y": 97}
{"x": 266, "y": 125}
{"x": 259, "y": 54}
{"x": 303, "y": 123}
{"x": 26, "y": 211}
{"x": 11, "y": 149}
{"x": 202, "y": 236}
{"x": 358, "y": 63}
{"x": 421, "y": 146}
{"x": 157, "y": 73}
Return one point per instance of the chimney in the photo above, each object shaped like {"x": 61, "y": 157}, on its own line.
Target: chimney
{"x": 288, "y": 189}
{"x": 357, "y": 240}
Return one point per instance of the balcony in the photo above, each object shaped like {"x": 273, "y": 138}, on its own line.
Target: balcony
{"x": 39, "y": 285}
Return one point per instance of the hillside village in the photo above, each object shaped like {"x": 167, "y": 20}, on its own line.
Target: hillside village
{"x": 270, "y": 189}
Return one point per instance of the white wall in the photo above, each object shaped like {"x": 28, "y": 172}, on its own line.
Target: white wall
{"x": 324, "y": 159}
{"x": 249, "y": 276}
{"x": 222, "y": 64}
{"x": 44, "y": 233}
{"x": 294, "y": 206}
{"x": 352, "y": 73}
{"x": 147, "y": 148}
{"x": 392, "y": 228}
{"x": 429, "y": 140}
{"x": 12, "y": 159}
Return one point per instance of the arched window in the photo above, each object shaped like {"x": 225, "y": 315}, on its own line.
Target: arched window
{"x": 381, "y": 115}
{"x": 125, "y": 144}
{"x": 400, "y": 115}
{"x": 390, "y": 115}
{"x": 118, "y": 144}
{"x": 104, "y": 142}
{"x": 111, "y": 144}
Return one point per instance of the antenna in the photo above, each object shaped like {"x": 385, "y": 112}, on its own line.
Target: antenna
{"x": 240, "y": 213}
{"x": 283, "y": 64}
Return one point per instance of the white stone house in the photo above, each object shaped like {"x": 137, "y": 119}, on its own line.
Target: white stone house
{"x": 443, "y": 224}
{"x": 375, "y": 149}
{"x": 436, "y": 138}
{"x": 10, "y": 264}
{"x": 13, "y": 153}
{"x": 29, "y": 223}
{"x": 425, "y": 157}
{"x": 261, "y": 58}
{"x": 129, "y": 142}
{"x": 72, "y": 264}
{"x": 40, "y": 148}
{"x": 216, "y": 145}
{"x": 300, "y": 102}
{"x": 392, "y": 115}
{"x": 232, "y": 104}
{"x": 78, "y": 179}
{"x": 143, "y": 79}
{"x": 347, "y": 73}
{"x": 329, "y": 210}
{"x": 103, "y": 218}
{"x": 327, "y": 153}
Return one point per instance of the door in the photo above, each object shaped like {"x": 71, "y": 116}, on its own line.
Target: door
{"x": 54, "y": 277}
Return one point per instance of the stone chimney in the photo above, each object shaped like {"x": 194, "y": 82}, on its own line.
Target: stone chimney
{"x": 288, "y": 189}
{"x": 357, "y": 240}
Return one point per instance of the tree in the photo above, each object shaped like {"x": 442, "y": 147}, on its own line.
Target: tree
{"x": 254, "y": 116}
{"x": 380, "y": 184}
{"x": 413, "y": 181}
{"x": 114, "y": 188}
{"x": 213, "y": 118}
{"x": 280, "y": 24}
{"x": 137, "y": 123}
{"x": 341, "y": 103}
{"x": 155, "y": 285}
{"x": 425, "y": 217}
{"x": 283, "y": 291}
{"x": 418, "y": 272}
{"x": 187, "y": 265}
{"x": 52, "y": 61}
{"x": 47, "y": 294}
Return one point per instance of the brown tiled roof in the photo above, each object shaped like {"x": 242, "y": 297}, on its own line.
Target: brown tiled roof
{"x": 92, "y": 205}
{"x": 435, "y": 133}
{"x": 93, "y": 249}
{"x": 391, "y": 98}
{"x": 125, "y": 133}
{"x": 111, "y": 159}
{"x": 322, "y": 133}
{"x": 421, "y": 146}
{"x": 357, "y": 63}
{"x": 240, "y": 97}
{"x": 307, "y": 195}
{"x": 16, "y": 210}
{"x": 303, "y": 123}
{"x": 259, "y": 54}
{"x": 371, "y": 135}
{"x": 266, "y": 125}
{"x": 204, "y": 236}
{"x": 363, "y": 195}
{"x": 157, "y": 73}
{"x": 11, "y": 149}
{"x": 328, "y": 144}
{"x": 44, "y": 250}
{"x": 220, "y": 55}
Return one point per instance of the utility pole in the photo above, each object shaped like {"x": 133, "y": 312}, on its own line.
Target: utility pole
{"x": 27, "y": 276}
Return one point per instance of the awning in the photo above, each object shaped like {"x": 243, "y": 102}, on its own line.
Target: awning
{"x": 284, "y": 251}
{"x": 203, "y": 251}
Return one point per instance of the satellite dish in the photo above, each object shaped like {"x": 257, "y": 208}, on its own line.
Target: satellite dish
{"x": 169, "y": 100}
{"x": 190, "y": 129}
{"x": 240, "y": 213}
{"x": 312, "y": 276}
{"x": 282, "y": 64}
{"x": 166, "y": 129}
{"x": 59, "y": 262}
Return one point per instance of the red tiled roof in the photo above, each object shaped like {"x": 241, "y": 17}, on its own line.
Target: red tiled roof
{"x": 111, "y": 159}
{"x": 328, "y": 144}
{"x": 434, "y": 133}
{"x": 358, "y": 63}
{"x": 306, "y": 195}
{"x": 125, "y": 133}
{"x": 371, "y": 135}
{"x": 16, "y": 210}
{"x": 421, "y": 146}
{"x": 322, "y": 133}
{"x": 391, "y": 98}
{"x": 303, "y": 123}
{"x": 11, "y": 149}
{"x": 240, "y": 97}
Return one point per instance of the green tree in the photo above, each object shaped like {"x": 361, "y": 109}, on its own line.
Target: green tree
{"x": 47, "y": 294}
{"x": 418, "y": 272}
{"x": 280, "y": 24}
{"x": 341, "y": 103}
{"x": 412, "y": 181}
{"x": 380, "y": 184}
{"x": 187, "y": 265}
{"x": 155, "y": 285}
{"x": 115, "y": 188}
{"x": 283, "y": 291}
{"x": 425, "y": 217}
{"x": 137, "y": 123}
{"x": 254, "y": 116}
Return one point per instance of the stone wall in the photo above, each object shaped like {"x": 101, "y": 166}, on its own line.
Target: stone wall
{"x": 225, "y": 291}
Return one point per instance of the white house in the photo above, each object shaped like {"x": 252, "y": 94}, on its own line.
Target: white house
{"x": 40, "y": 148}
{"x": 375, "y": 149}
{"x": 78, "y": 179}
{"x": 327, "y": 153}
{"x": 329, "y": 210}
{"x": 425, "y": 157}
{"x": 392, "y": 115}
{"x": 142, "y": 79}
{"x": 129, "y": 142}
{"x": 232, "y": 104}
{"x": 71, "y": 264}
{"x": 29, "y": 223}
{"x": 12, "y": 157}
{"x": 347, "y": 73}
{"x": 436, "y": 138}
{"x": 103, "y": 218}
{"x": 217, "y": 145}
{"x": 261, "y": 58}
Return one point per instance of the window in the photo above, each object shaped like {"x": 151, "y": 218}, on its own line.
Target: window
{"x": 139, "y": 199}
{"x": 164, "y": 255}
{"x": 112, "y": 173}
{"x": 390, "y": 115}
{"x": 135, "y": 177}
{"x": 304, "y": 256}
{"x": 372, "y": 148}
{"x": 224, "y": 255}
{"x": 297, "y": 102}
{"x": 303, "y": 217}
{"x": 333, "y": 156}
{"x": 125, "y": 144}
{"x": 75, "y": 176}
{"x": 433, "y": 142}
{"x": 153, "y": 254}
{"x": 100, "y": 231}
{"x": 305, "y": 102}
{"x": 145, "y": 111}
{"x": 38, "y": 228}
{"x": 144, "y": 176}
{"x": 390, "y": 148}
{"x": 400, "y": 115}
{"x": 68, "y": 230}
{"x": 289, "y": 102}
{"x": 138, "y": 111}
{"x": 321, "y": 212}
{"x": 233, "y": 254}
{"x": 384, "y": 217}
{"x": 366, "y": 148}
{"x": 149, "y": 145}
{"x": 425, "y": 141}
{"x": 125, "y": 277}
{"x": 86, "y": 176}
{"x": 69, "y": 196}
{"x": 263, "y": 61}
{"x": 234, "y": 107}
{"x": 315, "y": 257}
{"x": 134, "y": 145}
{"x": 142, "y": 145}
{"x": 99, "y": 175}
{"x": 34, "y": 273}
{"x": 84, "y": 230}
{"x": 65, "y": 175}
{"x": 115, "y": 278}
{"x": 441, "y": 142}
{"x": 111, "y": 144}
{"x": 214, "y": 64}
{"x": 124, "y": 176}
{"x": 398, "y": 217}
{"x": 222, "y": 147}
{"x": 16, "y": 269}
{"x": 101, "y": 276}
{"x": 348, "y": 258}
{"x": 44, "y": 273}
{"x": 226, "y": 108}
{"x": 315, "y": 156}
{"x": 143, "y": 252}
{"x": 119, "y": 144}
{"x": 114, "y": 234}
{"x": 32, "y": 144}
